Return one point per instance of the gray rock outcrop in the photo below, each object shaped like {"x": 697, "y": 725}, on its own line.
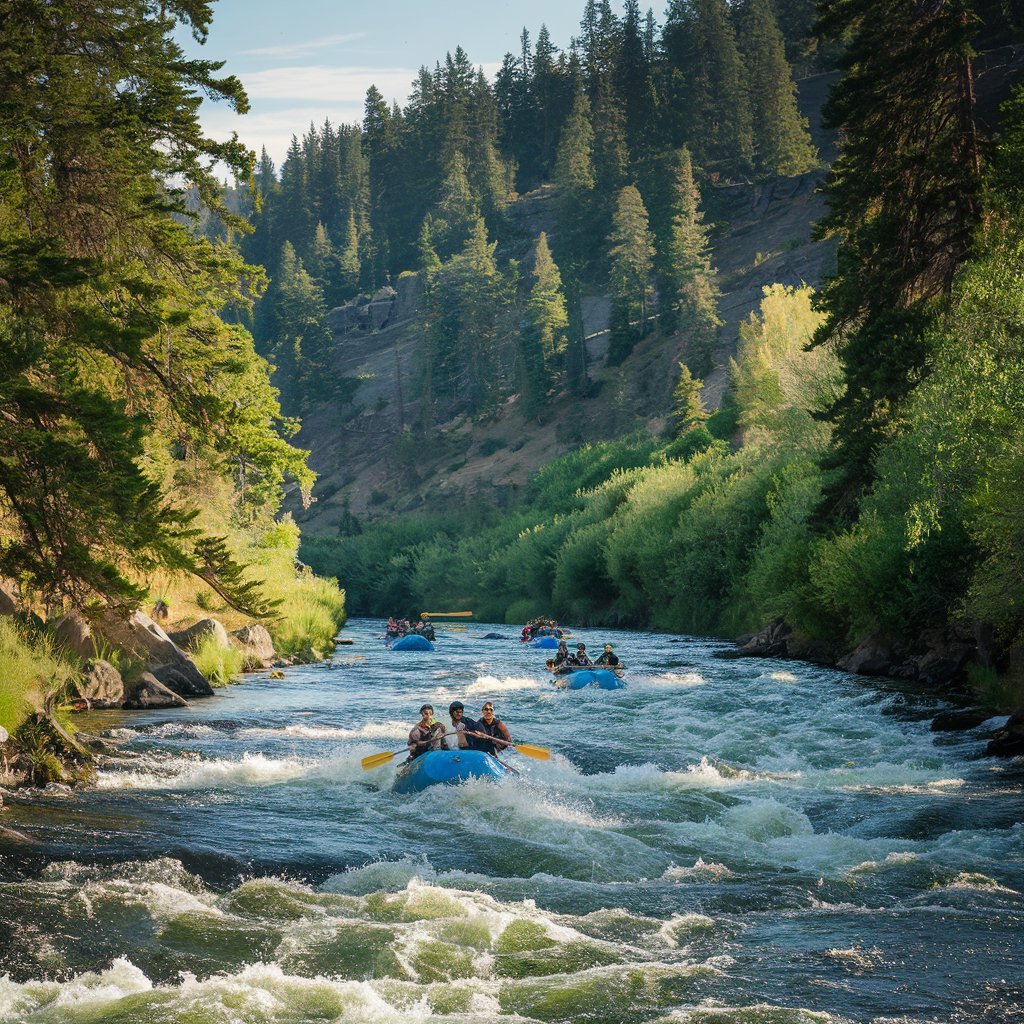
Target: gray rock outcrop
{"x": 365, "y": 313}
{"x": 195, "y": 634}
{"x": 871, "y": 657}
{"x": 140, "y": 635}
{"x": 73, "y": 632}
{"x": 183, "y": 678}
{"x": 257, "y": 647}
{"x": 9, "y": 603}
{"x": 149, "y": 692}
{"x": 1009, "y": 740}
{"x": 102, "y": 686}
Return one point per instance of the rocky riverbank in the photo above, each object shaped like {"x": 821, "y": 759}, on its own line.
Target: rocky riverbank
{"x": 939, "y": 660}
{"x": 105, "y": 660}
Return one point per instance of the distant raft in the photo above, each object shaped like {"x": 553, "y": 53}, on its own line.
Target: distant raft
{"x": 447, "y": 767}
{"x": 578, "y": 678}
{"x": 412, "y": 642}
{"x": 547, "y": 643}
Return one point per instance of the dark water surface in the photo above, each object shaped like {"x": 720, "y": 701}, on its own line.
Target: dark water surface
{"x": 723, "y": 841}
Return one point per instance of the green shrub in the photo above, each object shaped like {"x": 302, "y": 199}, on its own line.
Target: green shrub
{"x": 220, "y": 664}
{"x": 30, "y": 669}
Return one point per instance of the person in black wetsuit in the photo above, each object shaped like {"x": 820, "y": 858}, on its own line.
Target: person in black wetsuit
{"x": 580, "y": 659}
{"x": 609, "y": 657}
{"x": 456, "y": 738}
{"x": 561, "y": 655}
{"x": 492, "y": 735}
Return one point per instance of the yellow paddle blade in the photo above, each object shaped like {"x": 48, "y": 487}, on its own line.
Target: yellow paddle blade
{"x": 446, "y": 615}
{"x": 541, "y": 753}
{"x": 376, "y": 760}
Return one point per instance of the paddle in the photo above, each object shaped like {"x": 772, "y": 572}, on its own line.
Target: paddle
{"x": 529, "y": 749}
{"x": 446, "y": 615}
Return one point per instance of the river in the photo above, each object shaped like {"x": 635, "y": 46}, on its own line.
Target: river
{"x": 722, "y": 841}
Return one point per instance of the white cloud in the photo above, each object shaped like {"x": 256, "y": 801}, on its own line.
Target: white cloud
{"x": 296, "y": 49}
{"x": 326, "y": 85}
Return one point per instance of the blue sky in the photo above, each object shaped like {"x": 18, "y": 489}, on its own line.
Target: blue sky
{"x": 307, "y": 60}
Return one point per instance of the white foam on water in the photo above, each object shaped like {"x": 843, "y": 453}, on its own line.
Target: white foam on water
{"x": 87, "y": 992}
{"x": 506, "y": 684}
{"x": 700, "y": 871}
{"x": 163, "y": 901}
{"x": 681, "y": 927}
{"x": 976, "y": 880}
{"x": 674, "y": 680}
{"x": 857, "y": 956}
{"x": 889, "y": 861}
{"x": 391, "y": 729}
{"x": 185, "y": 774}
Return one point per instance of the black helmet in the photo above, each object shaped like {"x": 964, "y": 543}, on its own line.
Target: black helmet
{"x": 456, "y": 705}
{"x": 426, "y": 707}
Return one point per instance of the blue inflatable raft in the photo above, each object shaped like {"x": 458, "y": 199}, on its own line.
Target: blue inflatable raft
{"x": 412, "y": 642}
{"x": 581, "y": 677}
{"x": 548, "y": 643}
{"x": 446, "y": 767}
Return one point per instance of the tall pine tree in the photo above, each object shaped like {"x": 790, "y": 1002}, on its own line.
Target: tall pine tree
{"x": 632, "y": 263}
{"x": 782, "y": 141}
{"x": 903, "y": 203}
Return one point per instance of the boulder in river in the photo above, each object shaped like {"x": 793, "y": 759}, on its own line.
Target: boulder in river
{"x": 195, "y": 634}
{"x": 960, "y": 719}
{"x": 149, "y": 692}
{"x": 1009, "y": 740}
{"x": 183, "y": 678}
{"x": 102, "y": 686}
{"x": 256, "y": 645}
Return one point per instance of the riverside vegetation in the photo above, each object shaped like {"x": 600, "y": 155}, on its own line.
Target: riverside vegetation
{"x": 860, "y": 480}
{"x": 143, "y": 453}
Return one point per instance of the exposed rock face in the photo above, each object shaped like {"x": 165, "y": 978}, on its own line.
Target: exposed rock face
{"x": 364, "y": 313}
{"x": 1009, "y": 740}
{"x": 194, "y": 635}
{"x": 871, "y": 657}
{"x": 4, "y": 735}
{"x": 771, "y": 642}
{"x": 944, "y": 664}
{"x": 149, "y": 692}
{"x": 74, "y": 633}
{"x": 184, "y": 679}
{"x": 142, "y": 636}
{"x": 8, "y": 598}
{"x": 257, "y": 646}
{"x": 102, "y": 686}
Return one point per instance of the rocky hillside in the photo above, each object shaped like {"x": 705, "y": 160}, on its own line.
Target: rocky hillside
{"x": 761, "y": 236}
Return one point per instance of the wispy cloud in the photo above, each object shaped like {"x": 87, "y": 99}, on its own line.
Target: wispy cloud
{"x": 325, "y": 84}
{"x": 308, "y": 46}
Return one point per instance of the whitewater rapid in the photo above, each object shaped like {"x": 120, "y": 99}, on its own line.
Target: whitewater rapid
{"x": 721, "y": 841}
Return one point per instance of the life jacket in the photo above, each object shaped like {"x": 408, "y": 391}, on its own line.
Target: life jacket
{"x": 497, "y": 730}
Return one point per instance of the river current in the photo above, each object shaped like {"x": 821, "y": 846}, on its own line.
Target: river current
{"x": 722, "y": 841}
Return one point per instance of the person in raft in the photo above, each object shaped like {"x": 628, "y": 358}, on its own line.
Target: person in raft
{"x": 562, "y": 654}
{"x": 456, "y": 738}
{"x": 492, "y": 735}
{"x": 580, "y": 658}
{"x": 609, "y": 657}
{"x": 426, "y": 734}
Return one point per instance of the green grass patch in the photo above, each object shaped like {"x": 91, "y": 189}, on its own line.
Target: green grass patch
{"x": 220, "y": 664}
{"x": 998, "y": 693}
{"x": 30, "y": 668}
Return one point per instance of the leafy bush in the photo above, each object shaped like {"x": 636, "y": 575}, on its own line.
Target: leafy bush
{"x": 220, "y": 664}
{"x": 30, "y": 668}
